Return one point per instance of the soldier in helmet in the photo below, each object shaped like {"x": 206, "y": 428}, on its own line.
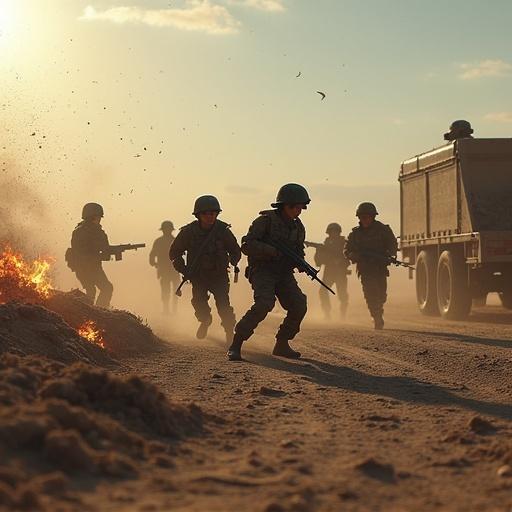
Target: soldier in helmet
{"x": 330, "y": 254}
{"x": 367, "y": 246}
{"x": 460, "y": 129}
{"x": 210, "y": 247}
{"x": 89, "y": 244}
{"x": 159, "y": 258}
{"x": 271, "y": 273}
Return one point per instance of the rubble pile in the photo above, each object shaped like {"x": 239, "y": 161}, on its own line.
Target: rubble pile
{"x": 63, "y": 425}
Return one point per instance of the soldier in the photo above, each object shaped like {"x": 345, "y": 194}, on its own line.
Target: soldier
{"x": 159, "y": 258}
{"x": 460, "y": 129}
{"x": 210, "y": 247}
{"x": 271, "y": 273}
{"x": 89, "y": 244}
{"x": 369, "y": 245}
{"x": 330, "y": 254}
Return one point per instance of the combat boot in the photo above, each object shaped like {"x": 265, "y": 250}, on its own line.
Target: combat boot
{"x": 283, "y": 349}
{"x": 378, "y": 323}
{"x": 202, "y": 330}
{"x": 235, "y": 349}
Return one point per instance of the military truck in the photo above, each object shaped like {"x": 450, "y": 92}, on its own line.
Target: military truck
{"x": 456, "y": 223}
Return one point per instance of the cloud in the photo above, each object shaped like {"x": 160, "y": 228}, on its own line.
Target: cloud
{"x": 197, "y": 15}
{"x": 499, "y": 117}
{"x": 485, "y": 68}
{"x": 262, "y": 5}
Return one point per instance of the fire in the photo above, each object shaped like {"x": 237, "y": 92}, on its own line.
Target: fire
{"x": 90, "y": 331}
{"x": 22, "y": 280}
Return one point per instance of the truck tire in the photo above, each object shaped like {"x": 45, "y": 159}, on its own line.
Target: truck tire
{"x": 453, "y": 296}
{"x": 506, "y": 299}
{"x": 426, "y": 285}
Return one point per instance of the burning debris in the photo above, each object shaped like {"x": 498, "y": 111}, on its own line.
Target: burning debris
{"x": 89, "y": 330}
{"x": 21, "y": 280}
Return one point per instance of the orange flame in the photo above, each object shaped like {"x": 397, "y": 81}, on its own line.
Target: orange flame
{"x": 22, "y": 280}
{"x": 90, "y": 331}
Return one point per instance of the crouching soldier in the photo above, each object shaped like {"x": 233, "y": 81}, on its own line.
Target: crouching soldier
{"x": 370, "y": 246}
{"x": 210, "y": 247}
{"x": 271, "y": 273}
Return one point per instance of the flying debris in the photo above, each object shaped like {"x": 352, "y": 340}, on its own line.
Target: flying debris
{"x": 300, "y": 73}
{"x": 137, "y": 155}
{"x": 322, "y": 94}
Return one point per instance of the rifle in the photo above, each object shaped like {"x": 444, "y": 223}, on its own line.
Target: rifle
{"x": 189, "y": 271}
{"x": 236, "y": 271}
{"x": 390, "y": 260}
{"x": 311, "y": 271}
{"x": 117, "y": 251}
{"x": 316, "y": 245}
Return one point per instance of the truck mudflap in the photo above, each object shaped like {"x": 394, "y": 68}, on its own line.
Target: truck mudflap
{"x": 496, "y": 246}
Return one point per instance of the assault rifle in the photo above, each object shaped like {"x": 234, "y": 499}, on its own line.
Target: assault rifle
{"x": 390, "y": 260}
{"x": 315, "y": 245}
{"x": 117, "y": 251}
{"x": 301, "y": 263}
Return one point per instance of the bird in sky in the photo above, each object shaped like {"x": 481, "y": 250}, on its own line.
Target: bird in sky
{"x": 321, "y": 94}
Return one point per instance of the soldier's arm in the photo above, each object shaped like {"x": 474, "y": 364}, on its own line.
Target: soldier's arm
{"x": 176, "y": 252}
{"x": 391, "y": 243}
{"x": 233, "y": 248}
{"x": 152, "y": 254}
{"x": 350, "y": 250}
{"x": 252, "y": 244}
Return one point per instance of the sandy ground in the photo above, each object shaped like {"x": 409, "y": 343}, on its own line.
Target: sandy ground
{"x": 416, "y": 417}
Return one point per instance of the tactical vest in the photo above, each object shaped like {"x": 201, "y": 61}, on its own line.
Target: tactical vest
{"x": 279, "y": 230}
{"x": 214, "y": 257}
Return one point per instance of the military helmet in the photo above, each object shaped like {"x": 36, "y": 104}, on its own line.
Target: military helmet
{"x": 206, "y": 204}
{"x": 459, "y": 129}
{"x": 291, "y": 193}
{"x": 366, "y": 209}
{"x": 333, "y": 227}
{"x": 167, "y": 225}
{"x": 92, "y": 210}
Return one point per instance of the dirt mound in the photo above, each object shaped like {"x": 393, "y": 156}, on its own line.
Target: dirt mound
{"x": 63, "y": 425}
{"x": 32, "y": 329}
{"x": 124, "y": 334}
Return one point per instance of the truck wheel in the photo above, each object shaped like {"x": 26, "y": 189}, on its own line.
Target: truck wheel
{"x": 506, "y": 299}
{"x": 426, "y": 291}
{"x": 453, "y": 297}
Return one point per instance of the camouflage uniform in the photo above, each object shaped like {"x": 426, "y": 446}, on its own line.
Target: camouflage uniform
{"x": 330, "y": 254}
{"x": 166, "y": 274}
{"x": 211, "y": 274}
{"x": 271, "y": 274}
{"x": 89, "y": 242}
{"x": 372, "y": 271}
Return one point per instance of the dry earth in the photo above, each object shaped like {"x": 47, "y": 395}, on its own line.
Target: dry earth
{"x": 416, "y": 417}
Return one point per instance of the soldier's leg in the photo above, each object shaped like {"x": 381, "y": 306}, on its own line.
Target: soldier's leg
{"x": 87, "y": 282}
{"x": 105, "y": 287}
{"x": 372, "y": 285}
{"x": 165, "y": 287}
{"x": 325, "y": 301}
{"x": 202, "y": 309}
{"x": 341, "y": 290}
{"x": 263, "y": 285}
{"x": 220, "y": 290}
{"x": 294, "y": 302}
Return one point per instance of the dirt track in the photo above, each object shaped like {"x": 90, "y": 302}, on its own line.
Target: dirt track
{"x": 366, "y": 421}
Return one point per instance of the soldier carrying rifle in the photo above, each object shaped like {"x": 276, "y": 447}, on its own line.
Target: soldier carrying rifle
{"x": 330, "y": 254}
{"x": 89, "y": 247}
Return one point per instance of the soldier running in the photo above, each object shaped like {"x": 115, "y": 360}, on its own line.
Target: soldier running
{"x": 271, "y": 273}
{"x": 330, "y": 254}
{"x": 89, "y": 245}
{"x": 370, "y": 245}
{"x": 210, "y": 247}
{"x": 159, "y": 258}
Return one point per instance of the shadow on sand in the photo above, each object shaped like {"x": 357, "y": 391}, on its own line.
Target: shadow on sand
{"x": 405, "y": 389}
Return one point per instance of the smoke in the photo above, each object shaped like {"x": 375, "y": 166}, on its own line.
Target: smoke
{"x": 24, "y": 212}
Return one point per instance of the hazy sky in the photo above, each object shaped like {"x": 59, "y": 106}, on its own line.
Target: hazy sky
{"x": 144, "y": 105}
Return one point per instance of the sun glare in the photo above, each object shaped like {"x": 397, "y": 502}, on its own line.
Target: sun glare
{"x": 6, "y": 15}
